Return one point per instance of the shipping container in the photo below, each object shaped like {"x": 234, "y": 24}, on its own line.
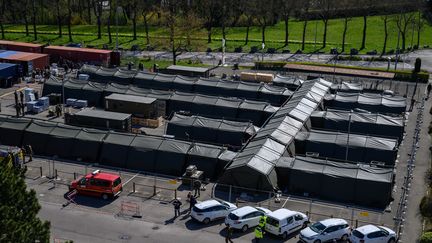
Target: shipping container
{"x": 144, "y": 107}
{"x": 8, "y": 74}
{"x": 28, "y": 61}
{"x": 21, "y": 46}
{"x": 100, "y": 119}
{"x": 82, "y": 55}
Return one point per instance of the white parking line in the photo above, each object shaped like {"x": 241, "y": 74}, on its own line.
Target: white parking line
{"x": 283, "y": 205}
{"x": 124, "y": 184}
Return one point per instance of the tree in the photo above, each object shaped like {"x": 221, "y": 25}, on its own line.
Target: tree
{"x": 346, "y": 5}
{"x": 326, "y": 10}
{"x": 59, "y": 16}
{"x": 225, "y": 15}
{"x": 97, "y": 8}
{"x": 34, "y": 19}
{"x": 304, "y": 13}
{"x": 385, "y": 20}
{"x": 2, "y": 17}
{"x": 174, "y": 22}
{"x": 265, "y": 17}
{"x": 286, "y": 8}
{"x": 402, "y": 22}
{"x": 247, "y": 7}
{"x": 208, "y": 11}
{"x": 110, "y": 5}
{"x": 367, "y": 9}
{"x": 19, "y": 208}
{"x": 69, "y": 19}
{"x": 148, "y": 8}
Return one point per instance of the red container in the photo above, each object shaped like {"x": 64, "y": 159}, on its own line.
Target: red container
{"x": 84, "y": 55}
{"x": 20, "y": 46}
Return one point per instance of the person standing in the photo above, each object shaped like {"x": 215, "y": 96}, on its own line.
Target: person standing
{"x": 192, "y": 202}
{"x": 17, "y": 108}
{"x": 29, "y": 152}
{"x": 197, "y": 188}
{"x": 22, "y": 97}
{"x": 16, "y": 97}
{"x": 259, "y": 234}
{"x": 22, "y": 108}
{"x": 177, "y": 204}
{"x": 262, "y": 221}
{"x": 229, "y": 233}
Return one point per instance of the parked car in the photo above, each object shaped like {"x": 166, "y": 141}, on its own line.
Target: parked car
{"x": 97, "y": 183}
{"x": 326, "y": 230}
{"x": 211, "y": 210}
{"x": 245, "y": 217}
{"x": 283, "y": 222}
{"x": 373, "y": 234}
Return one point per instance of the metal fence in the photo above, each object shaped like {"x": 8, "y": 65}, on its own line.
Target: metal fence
{"x": 403, "y": 202}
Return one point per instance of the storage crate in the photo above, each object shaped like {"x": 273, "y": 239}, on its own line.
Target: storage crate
{"x": 70, "y": 102}
{"x": 37, "y": 109}
{"x": 81, "y": 103}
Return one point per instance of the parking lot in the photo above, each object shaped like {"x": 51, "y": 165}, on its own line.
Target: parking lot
{"x": 144, "y": 211}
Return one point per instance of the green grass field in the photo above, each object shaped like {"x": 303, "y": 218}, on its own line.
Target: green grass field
{"x": 235, "y": 38}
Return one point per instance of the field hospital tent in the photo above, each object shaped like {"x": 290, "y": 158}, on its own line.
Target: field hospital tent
{"x": 211, "y": 130}
{"x": 229, "y": 108}
{"x": 361, "y": 148}
{"x": 62, "y": 140}
{"x": 254, "y": 166}
{"x": 364, "y": 185}
{"x": 377, "y": 103}
{"x": 206, "y": 158}
{"x": 37, "y": 135}
{"x": 374, "y": 124}
{"x": 290, "y": 82}
{"x": 88, "y": 143}
{"x": 12, "y": 130}
{"x": 115, "y": 149}
{"x": 276, "y": 95}
{"x": 142, "y": 153}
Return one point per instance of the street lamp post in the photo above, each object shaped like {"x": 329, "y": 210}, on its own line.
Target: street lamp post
{"x": 335, "y": 62}
{"x": 262, "y": 50}
{"x": 63, "y": 95}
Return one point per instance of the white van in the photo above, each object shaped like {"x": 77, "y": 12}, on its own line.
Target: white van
{"x": 283, "y": 222}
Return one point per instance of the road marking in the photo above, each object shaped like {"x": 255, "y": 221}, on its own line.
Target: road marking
{"x": 283, "y": 205}
{"x": 124, "y": 184}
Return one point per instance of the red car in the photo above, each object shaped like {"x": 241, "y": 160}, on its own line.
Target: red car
{"x": 99, "y": 184}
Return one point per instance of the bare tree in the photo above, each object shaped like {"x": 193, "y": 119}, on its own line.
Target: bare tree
{"x": 147, "y": 11}
{"x": 174, "y": 23}
{"x": 402, "y": 22}
{"x": 89, "y": 7}
{"x": 2, "y": 17}
{"x": 346, "y": 5}
{"x": 97, "y": 8}
{"x": 248, "y": 11}
{"x": 69, "y": 20}
{"x": 385, "y": 20}
{"x": 304, "y": 13}
{"x": 34, "y": 12}
{"x": 286, "y": 7}
{"x": 367, "y": 9}
{"x": 110, "y": 5}
{"x": 59, "y": 16}
{"x": 265, "y": 17}
{"x": 208, "y": 11}
{"x": 326, "y": 10}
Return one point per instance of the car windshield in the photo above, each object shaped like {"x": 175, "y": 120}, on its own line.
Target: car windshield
{"x": 317, "y": 227}
{"x": 358, "y": 234}
{"x": 272, "y": 221}
{"x": 233, "y": 216}
{"x": 198, "y": 210}
{"x": 384, "y": 230}
{"x": 117, "y": 182}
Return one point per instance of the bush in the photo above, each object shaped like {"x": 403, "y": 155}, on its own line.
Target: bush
{"x": 286, "y": 51}
{"x": 426, "y": 237}
{"x": 271, "y": 50}
{"x": 354, "y": 51}
{"x": 76, "y": 20}
{"x": 238, "y": 49}
{"x": 426, "y": 206}
{"x": 209, "y": 50}
{"x": 254, "y": 49}
{"x": 391, "y": 52}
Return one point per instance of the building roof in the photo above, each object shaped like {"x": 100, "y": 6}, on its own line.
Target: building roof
{"x": 80, "y": 49}
{"x": 190, "y": 69}
{"x": 20, "y": 56}
{"x": 130, "y": 98}
{"x": 16, "y": 43}
{"x": 103, "y": 114}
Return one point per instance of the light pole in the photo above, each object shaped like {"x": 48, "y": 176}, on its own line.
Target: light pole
{"x": 348, "y": 137}
{"x": 335, "y": 62}
{"x": 262, "y": 50}
{"x": 397, "y": 51}
{"x": 63, "y": 95}
{"x": 388, "y": 63}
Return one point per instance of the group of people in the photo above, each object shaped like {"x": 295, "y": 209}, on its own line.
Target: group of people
{"x": 191, "y": 198}
{"x": 19, "y": 104}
